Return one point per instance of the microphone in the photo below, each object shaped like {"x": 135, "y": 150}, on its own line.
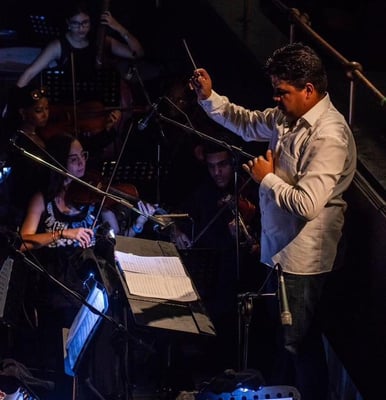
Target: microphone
{"x": 286, "y": 316}
{"x": 144, "y": 122}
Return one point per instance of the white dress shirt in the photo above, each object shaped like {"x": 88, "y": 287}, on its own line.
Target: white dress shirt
{"x": 301, "y": 203}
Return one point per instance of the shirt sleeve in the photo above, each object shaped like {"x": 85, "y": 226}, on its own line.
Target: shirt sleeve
{"x": 317, "y": 181}
{"x": 251, "y": 125}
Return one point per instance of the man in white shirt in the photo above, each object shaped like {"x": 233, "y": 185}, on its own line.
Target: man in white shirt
{"x": 310, "y": 162}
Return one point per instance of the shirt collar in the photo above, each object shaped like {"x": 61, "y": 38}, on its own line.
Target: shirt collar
{"x": 312, "y": 115}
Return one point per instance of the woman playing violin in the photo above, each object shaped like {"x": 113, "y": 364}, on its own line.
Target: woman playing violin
{"x": 51, "y": 221}
{"x": 62, "y": 239}
{"x": 26, "y": 119}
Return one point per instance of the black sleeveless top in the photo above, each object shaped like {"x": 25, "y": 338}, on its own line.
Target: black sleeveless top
{"x": 78, "y": 65}
{"x": 84, "y": 60}
{"x": 65, "y": 260}
{"x": 54, "y": 219}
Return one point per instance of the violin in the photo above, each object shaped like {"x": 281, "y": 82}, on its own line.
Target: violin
{"x": 246, "y": 208}
{"x": 80, "y": 194}
{"x": 247, "y": 212}
{"x": 90, "y": 117}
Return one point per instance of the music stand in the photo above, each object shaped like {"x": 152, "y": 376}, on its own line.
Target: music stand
{"x": 163, "y": 318}
{"x": 60, "y": 87}
{"x": 190, "y": 317}
{"x": 145, "y": 174}
{"x": 83, "y": 328}
{"x": 43, "y": 28}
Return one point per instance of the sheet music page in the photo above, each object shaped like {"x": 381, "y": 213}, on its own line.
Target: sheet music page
{"x": 157, "y": 277}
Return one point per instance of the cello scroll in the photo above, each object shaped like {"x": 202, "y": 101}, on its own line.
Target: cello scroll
{"x": 101, "y": 37}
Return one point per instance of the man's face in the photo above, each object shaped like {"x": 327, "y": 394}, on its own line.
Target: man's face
{"x": 220, "y": 168}
{"x": 290, "y": 100}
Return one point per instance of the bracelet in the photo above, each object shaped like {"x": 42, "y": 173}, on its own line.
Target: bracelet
{"x": 137, "y": 230}
{"x": 54, "y": 238}
{"x": 61, "y": 234}
{"x": 125, "y": 35}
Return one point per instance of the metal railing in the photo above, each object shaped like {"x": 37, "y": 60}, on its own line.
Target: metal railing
{"x": 354, "y": 70}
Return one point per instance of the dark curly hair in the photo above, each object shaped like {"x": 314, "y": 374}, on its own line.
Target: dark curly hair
{"x": 297, "y": 64}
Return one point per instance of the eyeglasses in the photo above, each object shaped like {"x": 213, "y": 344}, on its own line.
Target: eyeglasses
{"x": 37, "y": 94}
{"x": 75, "y": 158}
{"x": 77, "y": 25}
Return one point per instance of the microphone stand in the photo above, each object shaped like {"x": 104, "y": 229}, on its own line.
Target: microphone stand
{"x": 60, "y": 171}
{"x": 245, "y": 300}
{"x": 120, "y": 328}
{"x": 202, "y": 135}
{"x": 235, "y": 151}
{"x": 162, "y": 135}
{"x": 245, "y": 308}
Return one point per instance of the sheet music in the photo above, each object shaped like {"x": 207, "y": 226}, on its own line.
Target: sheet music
{"x": 5, "y": 276}
{"x": 82, "y": 328}
{"x": 156, "y": 277}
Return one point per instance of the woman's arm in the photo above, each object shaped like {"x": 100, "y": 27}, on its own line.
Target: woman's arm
{"x": 33, "y": 240}
{"x": 132, "y": 48}
{"x": 50, "y": 53}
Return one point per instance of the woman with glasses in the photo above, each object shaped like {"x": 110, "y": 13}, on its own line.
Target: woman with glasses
{"x": 62, "y": 238}
{"x": 79, "y": 48}
{"x": 27, "y": 121}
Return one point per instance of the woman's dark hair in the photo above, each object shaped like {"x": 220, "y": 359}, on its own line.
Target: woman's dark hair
{"x": 77, "y": 7}
{"x": 58, "y": 147}
{"x": 18, "y": 98}
{"x": 297, "y": 64}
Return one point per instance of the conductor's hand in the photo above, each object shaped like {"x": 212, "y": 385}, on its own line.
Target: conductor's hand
{"x": 258, "y": 167}
{"x": 201, "y": 83}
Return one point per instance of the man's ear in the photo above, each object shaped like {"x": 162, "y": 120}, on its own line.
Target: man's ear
{"x": 309, "y": 88}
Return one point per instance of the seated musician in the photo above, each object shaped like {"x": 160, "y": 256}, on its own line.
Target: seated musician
{"x": 27, "y": 121}
{"x": 211, "y": 208}
{"x": 26, "y": 113}
{"x": 78, "y": 43}
{"x": 83, "y": 80}
{"x": 64, "y": 240}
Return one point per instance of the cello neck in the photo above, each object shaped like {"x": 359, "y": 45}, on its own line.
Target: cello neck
{"x": 101, "y": 37}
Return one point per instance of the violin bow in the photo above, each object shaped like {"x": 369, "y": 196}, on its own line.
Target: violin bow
{"x": 218, "y": 213}
{"x": 161, "y": 221}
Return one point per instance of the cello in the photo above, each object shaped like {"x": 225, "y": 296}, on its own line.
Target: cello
{"x": 101, "y": 32}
